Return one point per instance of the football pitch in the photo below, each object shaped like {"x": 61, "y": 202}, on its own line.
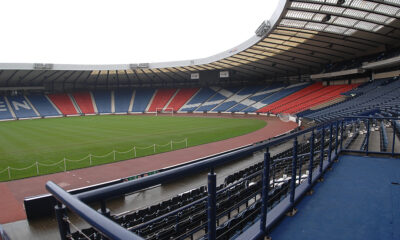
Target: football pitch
{"x": 43, "y": 146}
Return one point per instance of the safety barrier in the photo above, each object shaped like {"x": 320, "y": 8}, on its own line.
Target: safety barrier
{"x": 38, "y": 168}
{"x": 323, "y": 144}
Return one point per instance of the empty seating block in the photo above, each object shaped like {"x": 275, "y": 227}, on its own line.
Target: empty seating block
{"x": 181, "y": 98}
{"x": 4, "y": 110}
{"x": 369, "y": 99}
{"x": 236, "y": 98}
{"x": 63, "y": 103}
{"x": 278, "y": 95}
{"x": 316, "y": 97}
{"x": 291, "y": 97}
{"x": 218, "y": 98}
{"x": 142, "y": 99}
{"x": 103, "y": 101}
{"x": 200, "y": 97}
{"x": 161, "y": 98}
{"x": 43, "y": 105}
{"x": 84, "y": 101}
{"x": 21, "y": 107}
{"x": 253, "y": 103}
{"x": 122, "y": 100}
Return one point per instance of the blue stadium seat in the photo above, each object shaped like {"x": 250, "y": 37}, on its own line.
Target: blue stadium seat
{"x": 4, "y": 110}
{"x": 43, "y": 105}
{"x": 21, "y": 107}
{"x": 198, "y": 99}
{"x": 142, "y": 99}
{"x": 103, "y": 101}
{"x": 122, "y": 99}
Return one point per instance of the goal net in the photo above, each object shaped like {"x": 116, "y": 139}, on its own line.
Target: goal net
{"x": 163, "y": 111}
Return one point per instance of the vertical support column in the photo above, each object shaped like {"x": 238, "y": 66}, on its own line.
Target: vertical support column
{"x": 341, "y": 136}
{"x": 265, "y": 190}
{"x": 310, "y": 166}
{"x": 103, "y": 209}
{"x": 211, "y": 211}
{"x": 273, "y": 174}
{"x": 367, "y": 143}
{"x": 337, "y": 138}
{"x": 63, "y": 226}
{"x": 293, "y": 179}
{"x": 321, "y": 161}
{"x": 394, "y": 136}
{"x": 330, "y": 142}
{"x": 300, "y": 166}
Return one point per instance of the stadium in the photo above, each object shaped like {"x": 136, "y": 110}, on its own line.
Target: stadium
{"x": 293, "y": 134}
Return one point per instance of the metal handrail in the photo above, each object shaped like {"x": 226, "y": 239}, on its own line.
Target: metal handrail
{"x": 104, "y": 225}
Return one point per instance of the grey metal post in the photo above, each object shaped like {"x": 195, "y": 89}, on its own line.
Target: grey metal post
{"x": 367, "y": 143}
{"x": 294, "y": 167}
{"x": 394, "y": 136}
{"x": 337, "y": 138}
{"x": 310, "y": 167}
{"x": 265, "y": 190}
{"x": 211, "y": 211}
{"x": 321, "y": 162}
{"x": 103, "y": 209}
{"x": 341, "y": 136}
{"x": 330, "y": 143}
{"x": 63, "y": 226}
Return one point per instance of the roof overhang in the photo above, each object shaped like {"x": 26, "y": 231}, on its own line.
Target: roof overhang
{"x": 300, "y": 38}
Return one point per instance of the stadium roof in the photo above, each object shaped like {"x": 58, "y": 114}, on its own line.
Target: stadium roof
{"x": 301, "y": 37}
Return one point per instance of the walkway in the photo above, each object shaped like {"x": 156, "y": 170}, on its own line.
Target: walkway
{"x": 359, "y": 199}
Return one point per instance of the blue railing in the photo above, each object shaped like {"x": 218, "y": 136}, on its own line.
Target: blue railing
{"x": 319, "y": 146}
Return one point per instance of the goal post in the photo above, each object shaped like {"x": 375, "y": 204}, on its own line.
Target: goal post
{"x": 165, "y": 111}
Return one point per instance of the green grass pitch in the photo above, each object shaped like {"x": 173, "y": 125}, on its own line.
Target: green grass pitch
{"x": 48, "y": 141}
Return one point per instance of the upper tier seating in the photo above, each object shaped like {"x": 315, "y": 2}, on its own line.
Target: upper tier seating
{"x": 237, "y": 98}
{"x": 218, "y": 98}
{"x": 43, "y": 105}
{"x": 4, "y": 110}
{"x": 162, "y": 97}
{"x": 378, "y": 96}
{"x": 103, "y": 101}
{"x": 200, "y": 97}
{"x": 63, "y": 103}
{"x": 84, "y": 101}
{"x": 21, "y": 107}
{"x": 142, "y": 99}
{"x": 182, "y": 97}
{"x": 122, "y": 99}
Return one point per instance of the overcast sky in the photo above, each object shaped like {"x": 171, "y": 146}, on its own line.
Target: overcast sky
{"x": 125, "y": 31}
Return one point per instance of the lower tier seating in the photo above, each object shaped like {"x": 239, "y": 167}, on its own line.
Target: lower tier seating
{"x": 63, "y": 103}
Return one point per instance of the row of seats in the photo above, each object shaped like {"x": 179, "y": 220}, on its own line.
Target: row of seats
{"x": 189, "y": 220}
{"x": 240, "y": 188}
{"x": 206, "y": 99}
{"x": 377, "y": 97}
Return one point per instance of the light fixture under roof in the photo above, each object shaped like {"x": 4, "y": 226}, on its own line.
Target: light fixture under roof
{"x": 326, "y": 18}
{"x": 340, "y": 2}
